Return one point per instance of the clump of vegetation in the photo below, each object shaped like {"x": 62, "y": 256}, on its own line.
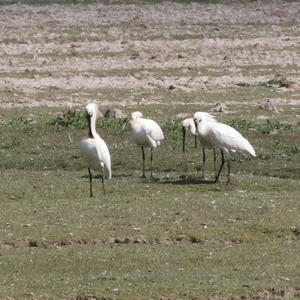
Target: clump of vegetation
{"x": 286, "y": 149}
{"x": 70, "y": 117}
{"x": 241, "y": 125}
{"x": 277, "y": 81}
{"x": 265, "y": 127}
{"x": 120, "y": 123}
{"x": 77, "y": 119}
{"x": 271, "y": 125}
{"x": 8, "y": 143}
{"x": 22, "y": 123}
{"x": 171, "y": 126}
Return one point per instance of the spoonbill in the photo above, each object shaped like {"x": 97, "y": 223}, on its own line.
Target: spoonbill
{"x": 223, "y": 137}
{"x": 145, "y": 133}
{"x": 188, "y": 125}
{"x": 93, "y": 148}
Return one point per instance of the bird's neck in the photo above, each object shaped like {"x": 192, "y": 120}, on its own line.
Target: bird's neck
{"x": 134, "y": 122}
{"x": 202, "y": 128}
{"x": 192, "y": 129}
{"x": 92, "y": 127}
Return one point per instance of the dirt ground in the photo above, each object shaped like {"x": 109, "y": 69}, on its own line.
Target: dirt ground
{"x": 58, "y": 55}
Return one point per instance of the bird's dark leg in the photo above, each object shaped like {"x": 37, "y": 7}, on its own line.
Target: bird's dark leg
{"x": 151, "y": 160}
{"x": 91, "y": 182}
{"x": 183, "y": 139}
{"x": 143, "y": 153}
{"x": 221, "y": 167}
{"x": 228, "y": 169}
{"x": 102, "y": 179}
{"x": 203, "y": 161}
{"x": 195, "y": 141}
{"x": 215, "y": 162}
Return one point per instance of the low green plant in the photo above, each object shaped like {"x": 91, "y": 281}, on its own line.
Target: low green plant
{"x": 264, "y": 127}
{"x": 277, "y": 81}
{"x": 171, "y": 128}
{"x": 22, "y": 123}
{"x": 241, "y": 124}
{"x": 112, "y": 123}
{"x": 70, "y": 117}
{"x": 8, "y": 143}
{"x": 287, "y": 149}
{"x": 74, "y": 118}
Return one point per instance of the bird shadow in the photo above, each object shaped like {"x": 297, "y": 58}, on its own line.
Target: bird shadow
{"x": 99, "y": 176}
{"x": 184, "y": 180}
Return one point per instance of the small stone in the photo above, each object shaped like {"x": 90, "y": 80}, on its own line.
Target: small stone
{"x": 268, "y": 105}
{"x": 219, "y": 107}
{"x": 115, "y": 113}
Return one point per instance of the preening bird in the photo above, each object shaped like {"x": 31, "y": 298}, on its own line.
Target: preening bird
{"x": 221, "y": 136}
{"x": 188, "y": 125}
{"x": 93, "y": 148}
{"x": 145, "y": 133}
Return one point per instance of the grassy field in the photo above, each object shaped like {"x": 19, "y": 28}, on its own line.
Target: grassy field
{"x": 173, "y": 237}
{"x": 168, "y": 238}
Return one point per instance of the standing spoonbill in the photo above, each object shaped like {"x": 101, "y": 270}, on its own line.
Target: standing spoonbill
{"x": 145, "y": 133}
{"x": 222, "y": 136}
{"x": 188, "y": 125}
{"x": 93, "y": 148}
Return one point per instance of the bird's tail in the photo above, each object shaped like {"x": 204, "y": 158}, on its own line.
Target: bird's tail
{"x": 250, "y": 149}
{"x": 107, "y": 165}
{"x": 109, "y": 173}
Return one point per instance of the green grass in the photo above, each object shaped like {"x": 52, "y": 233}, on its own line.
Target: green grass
{"x": 172, "y": 237}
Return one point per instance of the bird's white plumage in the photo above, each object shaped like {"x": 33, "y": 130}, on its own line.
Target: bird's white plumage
{"x": 189, "y": 125}
{"x": 229, "y": 139}
{"x": 96, "y": 154}
{"x": 93, "y": 148}
{"x": 92, "y": 109}
{"x": 221, "y": 135}
{"x": 145, "y": 132}
{"x": 205, "y": 138}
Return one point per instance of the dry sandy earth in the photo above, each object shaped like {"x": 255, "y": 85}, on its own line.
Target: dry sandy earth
{"x": 58, "y": 55}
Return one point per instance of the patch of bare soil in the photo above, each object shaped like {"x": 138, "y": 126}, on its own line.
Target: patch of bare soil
{"x": 270, "y": 293}
{"x": 61, "y": 55}
{"x": 180, "y": 239}
{"x": 264, "y": 294}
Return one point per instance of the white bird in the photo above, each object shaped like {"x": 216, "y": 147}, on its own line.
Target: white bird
{"x": 222, "y": 136}
{"x": 145, "y": 133}
{"x": 93, "y": 148}
{"x": 188, "y": 125}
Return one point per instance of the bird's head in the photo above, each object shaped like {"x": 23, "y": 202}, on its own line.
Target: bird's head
{"x": 201, "y": 116}
{"x": 92, "y": 110}
{"x": 135, "y": 115}
{"x": 198, "y": 117}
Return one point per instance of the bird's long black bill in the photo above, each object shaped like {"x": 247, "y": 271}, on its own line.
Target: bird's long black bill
{"x": 183, "y": 139}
